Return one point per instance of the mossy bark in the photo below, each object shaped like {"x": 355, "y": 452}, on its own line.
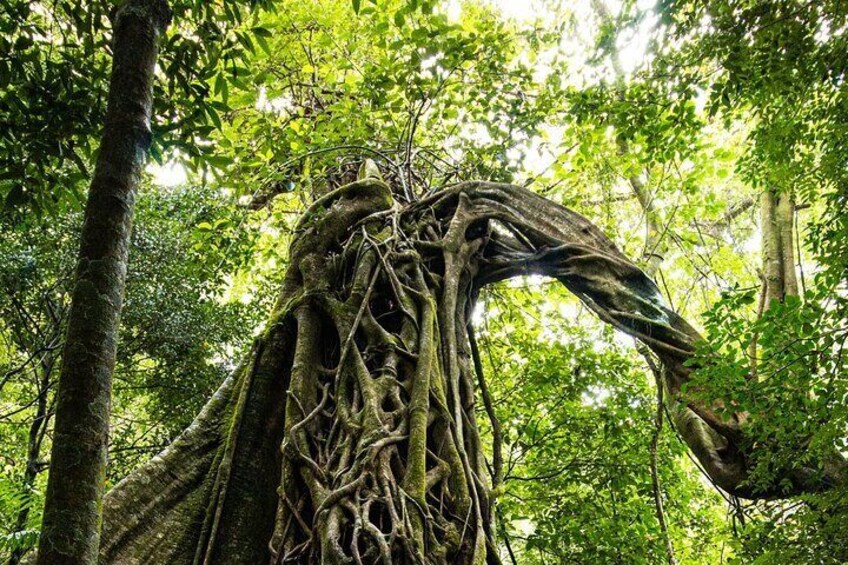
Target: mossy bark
{"x": 71, "y": 523}
{"x": 349, "y": 433}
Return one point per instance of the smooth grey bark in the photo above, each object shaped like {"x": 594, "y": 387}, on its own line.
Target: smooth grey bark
{"x": 348, "y": 435}
{"x": 785, "y": 214}
{"x": 772, "y": 248}
{"x": 71, "y": 522}
{"x": 777, "y": 223}
{"x": 777, "y": 233}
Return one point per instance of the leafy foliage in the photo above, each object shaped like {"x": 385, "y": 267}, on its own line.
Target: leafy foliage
{"x": 177, "y": 336}
{"x": 577, "y": 411}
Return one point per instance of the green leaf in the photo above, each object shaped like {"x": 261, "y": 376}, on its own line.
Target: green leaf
{"x": 213, "y": 115}
{"x": 221, "y": 161}
{"x": 225, "y": 92}
{"x": 263, "y": 44}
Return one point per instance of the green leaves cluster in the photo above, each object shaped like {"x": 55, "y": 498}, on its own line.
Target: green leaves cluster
{"x": 54, "y": 76}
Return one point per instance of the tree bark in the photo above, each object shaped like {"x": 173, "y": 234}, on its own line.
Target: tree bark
{"x": 785, "y": 216}
{"x": 777, "y": 219}
{"x": 71, "y": 523}
{"x": 772, "y": 248}
{"x": 349, "y": 433}
{"x": 777, "y": 230}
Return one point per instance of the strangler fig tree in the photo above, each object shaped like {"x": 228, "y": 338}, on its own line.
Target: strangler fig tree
{"x": 348, "y": 433}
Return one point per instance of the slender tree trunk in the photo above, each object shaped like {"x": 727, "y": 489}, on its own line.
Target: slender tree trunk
{"x": 772, "y": 248}
{"x": 777, "y": 219}
{"x": 655, "y": 472}
{"x": 785, "y": 219}
{"x": 71, "y": 523}
{"x": 780, "y": 279}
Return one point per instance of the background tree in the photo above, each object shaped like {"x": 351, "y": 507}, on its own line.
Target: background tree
{"x": 71, "y": 521}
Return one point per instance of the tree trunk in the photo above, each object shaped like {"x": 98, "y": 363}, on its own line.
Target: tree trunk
{"x": 349, "y": 434}
{"x": 777, "y": 230}
{"x": 772, "y": 249}
{"x": 785, "y": 216}
{"x": 777, "y": 219}
{"x": 71, "y": 523}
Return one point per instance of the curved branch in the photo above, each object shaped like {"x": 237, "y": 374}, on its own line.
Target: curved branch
{"x": 559, "y": 243}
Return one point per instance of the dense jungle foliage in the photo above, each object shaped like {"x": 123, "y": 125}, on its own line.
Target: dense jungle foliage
{"x": 672, "y": 125}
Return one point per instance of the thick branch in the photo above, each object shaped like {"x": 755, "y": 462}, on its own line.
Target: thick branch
{"x": 559, "y": 243}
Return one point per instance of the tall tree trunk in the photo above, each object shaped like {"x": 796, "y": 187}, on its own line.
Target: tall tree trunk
{"x": 349, "y": 433}
{"x": 785, "y": 216}
{"x": 777, "y": 226}
{"x": 71, "y": 523}
{"x": 777, "y": 232}
{"x": 772, "y": 248}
